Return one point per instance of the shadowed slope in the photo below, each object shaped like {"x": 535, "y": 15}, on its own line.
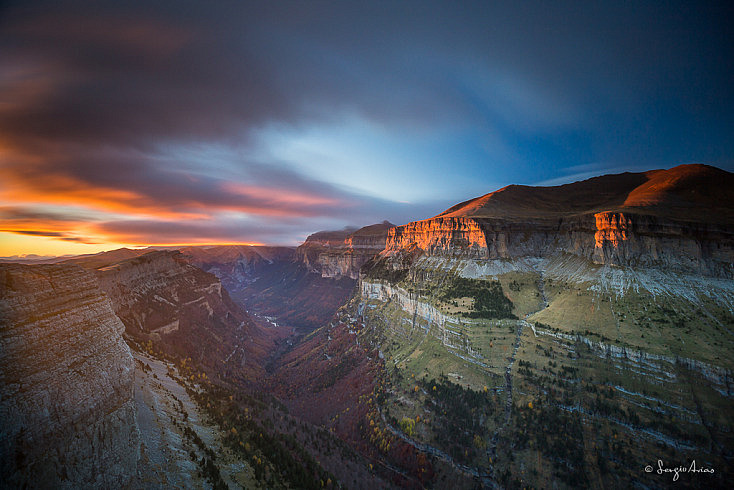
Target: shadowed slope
{"x": 695, "y": 192}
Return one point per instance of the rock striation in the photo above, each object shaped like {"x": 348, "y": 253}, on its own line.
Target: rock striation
{"x": 680, "y": 219}
{"x": 441, "y": 236}
{"x": 66, "y": 375}
{"x": 185, "y": 312}
{"x": 335, "y": 254}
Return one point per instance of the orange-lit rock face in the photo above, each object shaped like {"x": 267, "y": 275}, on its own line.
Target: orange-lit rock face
{"x": 611, "y": 229}
{"x": 346, "y": 259}
{"x": 334, "y": 255}
{"x": 626, "y": 239}
{"x": 612, "y": 237}
{"x": 441, "y": 236}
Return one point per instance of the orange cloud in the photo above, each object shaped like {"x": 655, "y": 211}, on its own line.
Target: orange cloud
{"x": 279, "y": 196}
{"x": 64, "y": 190}
{"x": 13, "y": 244}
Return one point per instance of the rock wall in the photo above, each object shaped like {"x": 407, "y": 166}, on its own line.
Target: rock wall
{"x": 335, "y": 254}
{"x": 610, "y": 238}
{"x": 237, "y": 266}
{"x": 441, "y": 236}
{"x": 66, "y": 376}
{"x": 433, "y": 320}
{"x": 630, "y": 239}
{"x": 184, "y": 312}
{"x": 152, "y": 291}
{"x": 720, "y": 378}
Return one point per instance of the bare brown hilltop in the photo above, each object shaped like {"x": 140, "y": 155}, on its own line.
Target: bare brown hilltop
{"x": 686, "y": 192}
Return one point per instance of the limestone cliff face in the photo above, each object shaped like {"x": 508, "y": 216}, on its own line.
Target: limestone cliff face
{"x": 342, "y": 253}
{"x": 441, "y": 236}
{"x": 636, "y": 239}
{"x": 680, "y": 219}
{"x": 152, "y": 293}
{"x": 432, "y": 319}
{"x": 184, "y": 312}
{"x": 66, "y": 376}
{"x": 625, "y": 239}
{"x": 237, "y": 266}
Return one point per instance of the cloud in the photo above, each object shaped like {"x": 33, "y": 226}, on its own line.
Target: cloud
{"x": 230, "y": 228}
{"x": 137, "y": 74}
{"x": 71, "y": 226}
{"x": 136, "y": 182}
{"x": 162, "y": 114}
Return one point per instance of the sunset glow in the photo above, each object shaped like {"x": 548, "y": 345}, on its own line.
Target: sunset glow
{"x": 262, "y": 123}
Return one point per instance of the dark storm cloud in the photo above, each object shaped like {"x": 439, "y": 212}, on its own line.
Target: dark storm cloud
{"x": 142, "y": 72}
{"x": 94, "y": 95}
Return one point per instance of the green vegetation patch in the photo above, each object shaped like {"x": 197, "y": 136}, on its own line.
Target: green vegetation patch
{"x": 489, "y": 299}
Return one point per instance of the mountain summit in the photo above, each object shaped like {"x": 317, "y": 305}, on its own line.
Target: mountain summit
{"x": 679, "y": 219}
{"x": 691, "y": 192}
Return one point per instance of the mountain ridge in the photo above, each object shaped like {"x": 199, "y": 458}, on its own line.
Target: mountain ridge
{"x": 342, "y": 253}
{"x": 694, "y": 188}
{"x": 681, "y": 219}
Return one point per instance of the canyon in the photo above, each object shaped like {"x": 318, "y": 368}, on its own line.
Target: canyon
{"x": 302, "y": 286}
{"x": 569, "y": 334}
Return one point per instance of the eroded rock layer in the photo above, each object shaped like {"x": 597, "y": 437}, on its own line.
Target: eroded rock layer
{"x": 336, "y": 254}
{"x": 66, "y": 375}
{"x": 185, "y": 312}
{"x": 605, "y": 220}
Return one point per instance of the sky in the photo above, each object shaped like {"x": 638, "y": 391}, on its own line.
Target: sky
{"x": 163, "y": 123}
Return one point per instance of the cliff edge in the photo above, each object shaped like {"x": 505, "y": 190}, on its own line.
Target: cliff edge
{"x": 680, "y": 219}
{"x": 66, "y": 376}
{"x": 342, "y": 253}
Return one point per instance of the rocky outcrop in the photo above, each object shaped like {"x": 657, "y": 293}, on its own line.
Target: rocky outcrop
{"x": 336, "y": 254}
{"x": 445, "y": 328}
{"x": 618, "y": 239}
{"x": 629, "y": 220}
{"x": 441, "y": 236}
{"x": 66, "y": 376}
{"x": 630, "y": 239}
{"x": 185, "y": 312}
{"x": 720, "y": 378}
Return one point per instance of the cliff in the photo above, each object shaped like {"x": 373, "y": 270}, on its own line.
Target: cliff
{"x": 335, "y": 254}
{"x": 441, "y": 236}
{"x": 681, "y": 219}
{"x": 275, "y": 283}
{"x": 604, "y": 305}
{"x": 185, "y": 312}
{"x": 67, "y": 409}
